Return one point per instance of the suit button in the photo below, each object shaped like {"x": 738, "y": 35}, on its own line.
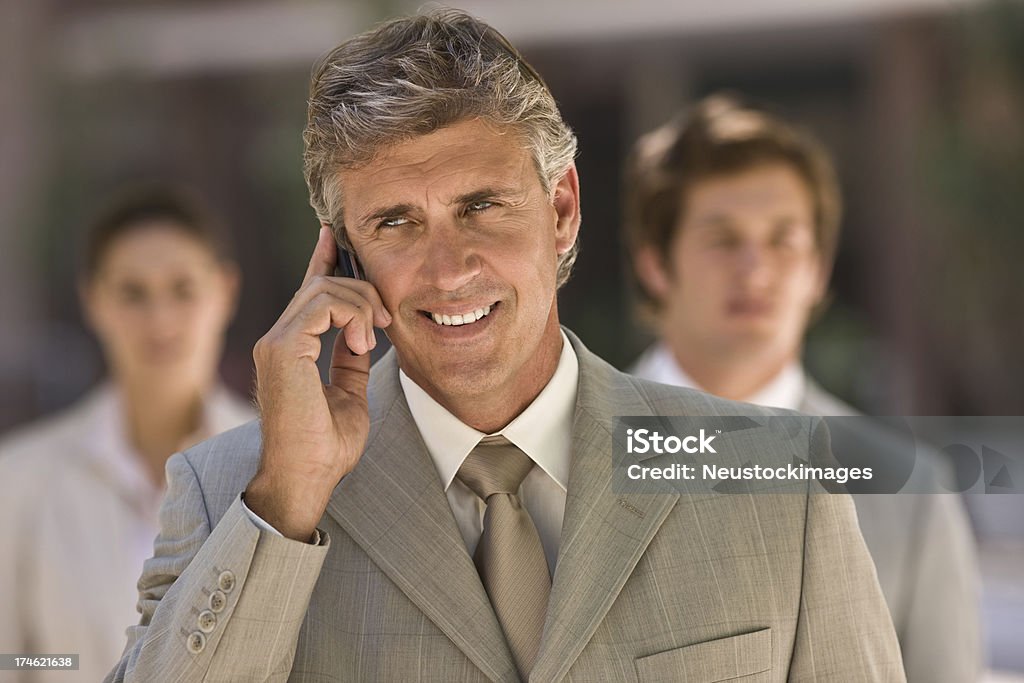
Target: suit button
{"x": 196, "y": 642}
{"x": 207, "y": 620}
{"x": 217, "y": 602}
{"x": 226, "y": 580}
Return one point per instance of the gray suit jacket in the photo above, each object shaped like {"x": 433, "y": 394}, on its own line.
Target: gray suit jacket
{"x": 648, "y": 587}
{"x": 924, "y": 554}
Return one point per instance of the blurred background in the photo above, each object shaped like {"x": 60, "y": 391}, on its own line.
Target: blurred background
{"x": 920, "y": 101}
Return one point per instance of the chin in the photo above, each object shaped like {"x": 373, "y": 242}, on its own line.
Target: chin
{"x": 760, "y": 327}
{"x": 468, "y": 379}
{"x": 746, "y": 340}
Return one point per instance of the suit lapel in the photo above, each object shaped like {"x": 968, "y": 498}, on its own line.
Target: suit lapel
{"x": 393, "y": 506}
{"x": 604, "y": 533}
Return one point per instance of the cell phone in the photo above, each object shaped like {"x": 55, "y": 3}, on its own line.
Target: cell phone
{"x": 348, "y": 264}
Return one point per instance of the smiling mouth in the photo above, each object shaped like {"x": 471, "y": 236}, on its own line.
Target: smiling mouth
{"x": 467, "y": 318}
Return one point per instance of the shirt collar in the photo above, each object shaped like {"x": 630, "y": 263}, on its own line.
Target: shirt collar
{"x": 115, "y": 453}
{"x": 785, "y": 390}
{"x": 543, "y": 430}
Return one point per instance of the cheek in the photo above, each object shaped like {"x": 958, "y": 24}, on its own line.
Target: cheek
{"x": 117, "y": 323}
{"x": 389, "y": 269}
{"x": 802, "y": 281}
{"x": 533, "y": 277}
{"x": 207, "y": 317}
{"x": 394, "y": 287}
{"x": 699, "y": 276}
{"x": 686, "y": 260}
{"x": 121, "y": 333}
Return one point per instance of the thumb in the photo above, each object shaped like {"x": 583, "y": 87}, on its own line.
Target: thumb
{"x": 348, "y": 372}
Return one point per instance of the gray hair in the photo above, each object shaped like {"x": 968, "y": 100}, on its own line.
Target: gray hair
{"x": 415, "y": 75}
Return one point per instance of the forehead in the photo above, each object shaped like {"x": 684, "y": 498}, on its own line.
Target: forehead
{"x": 455, "y": 158}
{"x": 153, "y": 247}
{"x": 772, "y": 186}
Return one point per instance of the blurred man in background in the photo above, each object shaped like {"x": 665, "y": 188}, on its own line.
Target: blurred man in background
{"x": 79, "y": 492}
{"x": 732, "y": 221}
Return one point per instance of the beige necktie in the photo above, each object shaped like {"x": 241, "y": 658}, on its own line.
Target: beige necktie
{"x": 509, "y": 555}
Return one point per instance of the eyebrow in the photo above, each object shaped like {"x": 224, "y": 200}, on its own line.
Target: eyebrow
{"x": 715, "y": 220}
{"x": 483, "y": 193}
{"x": 465, "y": 198}
{"x": 386, "y": 212}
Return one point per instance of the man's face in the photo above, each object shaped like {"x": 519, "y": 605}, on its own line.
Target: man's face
{"x": 456, "y": 224}
{"x": 744, "y": 271}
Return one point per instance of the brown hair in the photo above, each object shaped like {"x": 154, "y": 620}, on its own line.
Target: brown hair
{"x": 415, "y": 75}
{"x": 720, "y": 136}
{"x": 139, "y": 207}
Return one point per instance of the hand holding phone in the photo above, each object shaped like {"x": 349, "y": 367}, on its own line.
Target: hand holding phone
{"x": 314, "y": 434}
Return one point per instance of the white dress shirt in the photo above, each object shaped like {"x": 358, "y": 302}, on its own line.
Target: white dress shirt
{"x": 785, "y": 390}
{"x": 543, "y": 431}
{"x": 78, "y": 515}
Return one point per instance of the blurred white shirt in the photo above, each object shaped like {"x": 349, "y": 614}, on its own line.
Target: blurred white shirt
{"x": 78, "y": 516}
{"x": 786, "y": 390}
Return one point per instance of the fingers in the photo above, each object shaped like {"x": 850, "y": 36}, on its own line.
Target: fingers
{"x": 324, "y": 301}
{"x": 348, "y": 371}
{"x": 320, "y": 272}
{"x": 381, "y": 316}
{"x": 328, "y": 302}
{"x": 351, "y": 303}
{"x": 324, "y": 258}
{"x": 349, "y": 313}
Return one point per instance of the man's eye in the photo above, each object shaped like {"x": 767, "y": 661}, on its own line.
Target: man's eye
{"x": 184, "y": 291}
{"x": 131, "y": 294}
{"x": 481, "y": 205}
{"x": 723, "y": 242}
{"x": 786, "y": 238}
{"x": 392, "y": 222}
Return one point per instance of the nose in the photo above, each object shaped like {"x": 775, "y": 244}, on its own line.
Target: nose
{"x": 450, "y": 258}
{"x": 162, "y": 317}
{"x": 752, "y": 264}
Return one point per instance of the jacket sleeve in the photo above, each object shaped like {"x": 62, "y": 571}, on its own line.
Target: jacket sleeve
{"x": 220, "y": 603}
{"x": 941, "y": 636}
{"x": 844, "y": 631}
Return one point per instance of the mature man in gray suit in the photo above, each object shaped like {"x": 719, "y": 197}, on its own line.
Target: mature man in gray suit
{"x": 733, "y": 219}
{"x": 449, "y": 515}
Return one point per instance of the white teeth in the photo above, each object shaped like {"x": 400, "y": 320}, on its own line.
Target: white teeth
{"x": 463, "y": 319}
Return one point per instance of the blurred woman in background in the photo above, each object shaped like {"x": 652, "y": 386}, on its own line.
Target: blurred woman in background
{"x": 79, "y": 492}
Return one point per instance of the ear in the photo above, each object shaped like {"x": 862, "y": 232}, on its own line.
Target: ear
{"x": 566, "y": 201}
{"x": 651, "y": 271}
